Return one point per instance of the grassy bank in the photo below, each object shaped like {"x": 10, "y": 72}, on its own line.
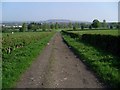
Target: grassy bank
{"x": 105, "y": 65}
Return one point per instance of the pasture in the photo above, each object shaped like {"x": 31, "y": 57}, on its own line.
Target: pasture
{"x": 103, "y": 32}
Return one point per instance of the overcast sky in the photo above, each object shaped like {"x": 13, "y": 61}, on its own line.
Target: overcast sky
{"x": 80, "y": 11}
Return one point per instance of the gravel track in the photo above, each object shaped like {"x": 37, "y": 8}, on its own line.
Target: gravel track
{"x": 58, "y": 67}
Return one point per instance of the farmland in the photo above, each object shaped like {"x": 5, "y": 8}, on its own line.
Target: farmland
{"x": 104, "y": 32}
{"x": 19, "y": 51}
{"x": 59, "y": 45}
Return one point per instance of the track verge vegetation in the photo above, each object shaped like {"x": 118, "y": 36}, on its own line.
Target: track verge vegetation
{"x": 19, "y": 51}
{"x": 105, "y": 65}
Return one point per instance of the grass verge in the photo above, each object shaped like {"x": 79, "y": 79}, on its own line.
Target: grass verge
{"x": 14, "y": 64}
{"x": 105, "y": 65}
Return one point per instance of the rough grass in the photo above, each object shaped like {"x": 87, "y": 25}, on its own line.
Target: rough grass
{"x": 15, "y": 63}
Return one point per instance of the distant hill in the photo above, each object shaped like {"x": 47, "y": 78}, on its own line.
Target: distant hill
{"x": 58, "y": 21}
{"x": 64, "y": 21}
{"x": 46, "y": 21}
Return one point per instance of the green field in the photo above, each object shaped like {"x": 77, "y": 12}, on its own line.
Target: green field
{"x": 19, "y": 50}
{"x": 105, "y": 32}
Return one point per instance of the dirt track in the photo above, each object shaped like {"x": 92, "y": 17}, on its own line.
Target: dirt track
{"x": 58, "y": 67}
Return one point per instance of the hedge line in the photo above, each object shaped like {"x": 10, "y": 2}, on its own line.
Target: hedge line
{"x": 72, "y": 35}
{"x": 108, "y": 43}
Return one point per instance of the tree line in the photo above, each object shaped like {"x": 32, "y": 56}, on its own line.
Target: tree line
{"x": 33, "y": 26}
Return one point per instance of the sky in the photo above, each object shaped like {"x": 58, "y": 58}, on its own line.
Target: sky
{"x": 59, "y": 0}
{"x": 79, "y": 11}
{"x": 119, "y": 11}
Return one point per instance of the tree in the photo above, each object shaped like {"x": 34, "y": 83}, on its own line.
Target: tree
{"x": 30, "y": 27}
{"x": 39, "y": 25}
{"x": 82, "y": 25}
{"x": 56, "y": 25}
{"x": 111, "y": 27}
{"x": 44, "y": 26}
{"x": 24, "y": 27}
{"x": 104, "y": 24}
{"x": 90, "y": 27}
{"x": 118, "y": 26}
{"x": 34, "y": 26}
{"x": 76, "y": 25}
{"x": 20, "y": 30}
{"x": 95, "y": 23}
{"x": 74, "y": 28}
{"x": 70, "y": 25}
{"x": 52, "y": 26}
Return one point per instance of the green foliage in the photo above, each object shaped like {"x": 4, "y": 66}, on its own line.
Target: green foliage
{"x": 90, "y": 27}
{"x": 104, "y": 24}
{"x": 105, "y": 65}
{"x": 102, "y": 32}
{"x": 52, "y": 26}
{"x": 24, "y": 27}
{"x": 76, "y": 25}
{"x": 34, "y": 26}
{"x": 21, "y": 30}
{"x": 10, "y": 29}
{"x": 74, "y": 28}
{"x": 56, "y": 25}
{"x": 70, "y": 25}
{"x": 105, "y": 42}
{"x": 95, "y": 23}
{"x": 108, "y": 43}
{"x": 111, "y": 27}
{"x": 118, "y": 26}
{"x": 82, "y": 26}
{"x": 44, "y": 27}
{"x": 19, "y": 50}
